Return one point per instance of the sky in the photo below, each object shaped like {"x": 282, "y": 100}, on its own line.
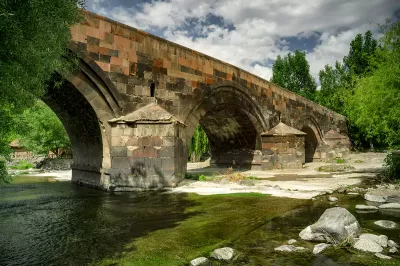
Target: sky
{"x": 252, "y": 33}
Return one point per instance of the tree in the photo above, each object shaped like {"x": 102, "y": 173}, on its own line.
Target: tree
{"x": 40, "y": 130}
{"x": 199, "y": 144}
{"x": 293, "y": 72}
{"x": 34, "y": 37}
{"x": 375, "y": 104}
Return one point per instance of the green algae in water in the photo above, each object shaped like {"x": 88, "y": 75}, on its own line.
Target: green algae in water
{"x": 215, "y": 221}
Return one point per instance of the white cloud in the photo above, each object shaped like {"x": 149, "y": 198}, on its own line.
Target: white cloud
{"x": 259, "y": 26}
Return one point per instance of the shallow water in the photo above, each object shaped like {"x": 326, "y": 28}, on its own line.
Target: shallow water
{"x": 58, "y": 223}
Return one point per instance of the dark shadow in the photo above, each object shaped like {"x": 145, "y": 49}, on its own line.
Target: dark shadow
{"x": 310, "y": 144}
{"x": 152, "y": 90}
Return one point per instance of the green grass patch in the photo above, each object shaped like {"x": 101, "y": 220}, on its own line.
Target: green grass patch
{"x": 214, "y": 221}
{"x": 22, "y": 165}
{"x": 241, "y": 194}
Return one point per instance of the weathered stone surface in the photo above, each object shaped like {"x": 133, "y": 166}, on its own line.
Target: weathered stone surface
{"x": 381, "y": 256}
{"x": 393, "y": 205}
{"x": 375, "y": 198}
{"x": 225, "y": 253}
{"x": 334, "y": 225}
{"x": 199, "y": 261}
{"x": 386, "y": 224}
{"x": 366, "y": 208}
{"x": 292, "y": 241}
{"x": 392, "y": 244}
{"x": 320, "y": 247}
{"x": 382, "y": 240}
{"x": 289, "y": 248}
{"x": 367, "y": 245}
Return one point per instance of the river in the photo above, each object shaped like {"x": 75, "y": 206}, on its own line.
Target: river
{"x": 59, "y": 223}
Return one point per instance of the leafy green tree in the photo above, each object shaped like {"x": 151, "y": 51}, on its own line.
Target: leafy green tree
{"x": 40, "y": 130}
{"x": 199, "y": 144}
{"x": 375, "y": 104}
{"x": 34, "y": 36}
{"x": 293, "y": 72}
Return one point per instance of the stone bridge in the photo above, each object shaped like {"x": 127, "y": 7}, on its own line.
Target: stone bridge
{"x": 132, "y": 107}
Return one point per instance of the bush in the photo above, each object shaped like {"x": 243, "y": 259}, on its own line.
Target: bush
{"x": 4, "y": 177}
{"x": 22, "y": 165}
{"x": 392, "y": 166}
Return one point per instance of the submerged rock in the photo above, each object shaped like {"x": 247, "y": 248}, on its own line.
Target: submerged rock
{"x": 225, "y": 253}
{"x": 199, "y": 261}
{"x": 334, "y": 225}
{"x": 381, "y": 240}
{"x": 375, "y": 198}
{"x": 393, "y": 205}
{"x": 367, "y": 245}
{"x": 320, "y": 247}
{"x": 289, "y": 248}
{"x": 386, "y": 224}
{"x": 381, "y": 256}
{"x": 332, "y": 199}
{"x": 366, "y": 208}
{"x": 292, "y": 241}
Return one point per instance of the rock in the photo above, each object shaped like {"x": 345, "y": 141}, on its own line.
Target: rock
{"x": 247, "y": 182}
{"x": 289, "y": 248}
{"x": 386, "y": 224}
{"x": 375, "y": 198}
{"x": 394, "y": 205}
{"x": 381, "y": 256}
{"x": 382, "y": 240}
{"x": 225, "y": 253}
{"x": 335, "y": 168}
{"x": 392, "y": 244}
{"x": 332, "y": 199}
{"x": 199, "y": 261}
{"x": 292, "y": 241}
{"x": 353, "y": 193}
{"x": 393, "y": 250}
{"x": 334, "y": 225}
{"x": 367, "y": 245}
{"x": 366, "y": 208}
{"x": 320, "y": 247}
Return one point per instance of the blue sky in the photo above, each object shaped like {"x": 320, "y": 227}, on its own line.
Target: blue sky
{"x": 252, "y": 33}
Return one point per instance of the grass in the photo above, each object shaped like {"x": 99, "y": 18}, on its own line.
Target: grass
{"x": 359, "y": 161}
{"x": 214, "y": 221}
{"x": 22, "y": 165}
{"x": 340, "y": 160}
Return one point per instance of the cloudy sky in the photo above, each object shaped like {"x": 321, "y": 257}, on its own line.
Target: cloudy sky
{"x": 252, "y": 33}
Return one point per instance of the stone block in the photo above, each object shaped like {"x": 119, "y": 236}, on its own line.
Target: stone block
{"x": 133, "y": 141}
{"x": 166, "y": 152}
{"x": 119, "y": 151}
{"x": 168, "y": 164}
{"x": 120, "y": 163}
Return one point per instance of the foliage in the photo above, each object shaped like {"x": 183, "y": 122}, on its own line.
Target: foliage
{"x": 40, "y": 130}
{"x": 22, "y": 165}
{"x": 202, "y": 178}
{"x": 34, "y": 36}
{"x": 392, "y": 166}
{"x": 199, "y": 144}
{"x": 293, "y": 72}
{"x": 4, "y": 177}
{"x": 374, "y": 106}
{"x": 340, "y": 160}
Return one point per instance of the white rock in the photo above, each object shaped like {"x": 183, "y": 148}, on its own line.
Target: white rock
{"x": 320, "y": 247}
{"x": 366, "y": 207}
{"x": 393, "y": 250}
{"x": 225, "y": 253}
{"x": 334, "y": 225}
{"x": 332, "y": 199}
{"x": 289, "y": 248}
{"x": 292, "y": 241}
{"x": 386, "y": 224}
{"x": 368, "y": 245}
{"x": 199, "y": 261}
{"x": 375, "y": 198}
{"x": 392, "y": 244}
{"x": 390, "y": 206}
{"x": 381, "y": 256}
{"x": 382, "y": 240}
{"x": 353, "y": 193}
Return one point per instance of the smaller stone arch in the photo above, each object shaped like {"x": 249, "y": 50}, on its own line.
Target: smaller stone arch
{"x": 313, "y": 138}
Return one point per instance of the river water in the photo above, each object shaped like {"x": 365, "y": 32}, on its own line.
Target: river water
{"x": 59, "y": 223}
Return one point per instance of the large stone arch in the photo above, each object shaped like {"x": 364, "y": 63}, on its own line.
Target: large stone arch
{"x": 85, "y": 102}
{"x": 233, "y": 122}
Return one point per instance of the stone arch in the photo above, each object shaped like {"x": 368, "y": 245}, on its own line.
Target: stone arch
{"x": 232, "y": 120}
{"x": 85, "y": 102}
{"x": 313, "y": 138}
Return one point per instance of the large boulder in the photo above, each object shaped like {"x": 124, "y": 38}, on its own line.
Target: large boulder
{"x": 386, "y": 224}
{"x": 334, "y": 225}
{"x": 375, "y": 197}
{"x": 368, "y": 245}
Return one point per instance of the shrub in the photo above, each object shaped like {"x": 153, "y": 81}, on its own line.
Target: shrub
{"x": 22, "y": 165}
{"x": 4, "y": 177}
{"x": 392, "y": 166}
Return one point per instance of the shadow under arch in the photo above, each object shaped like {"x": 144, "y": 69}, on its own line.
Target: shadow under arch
{"x": 232, "y": 121}
{"x": 313, "y": 138}
{"x": 84, "y": 103}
